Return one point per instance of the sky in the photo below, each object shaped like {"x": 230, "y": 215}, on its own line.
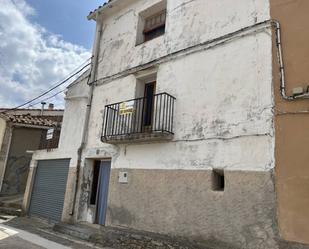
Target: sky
{"x": 41, "y": 43}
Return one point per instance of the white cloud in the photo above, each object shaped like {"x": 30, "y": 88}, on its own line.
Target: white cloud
{"x": 31, "y": 59}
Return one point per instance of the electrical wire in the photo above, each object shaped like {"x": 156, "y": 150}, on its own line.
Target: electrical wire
{"x": 54, "y": 95}
{"x": 49, "y": 90}
{"x": 43, "y": 100}
{"x": 75, "y": 70}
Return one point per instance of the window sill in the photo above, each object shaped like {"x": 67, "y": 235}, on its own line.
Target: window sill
{"x": 144, "y": 42}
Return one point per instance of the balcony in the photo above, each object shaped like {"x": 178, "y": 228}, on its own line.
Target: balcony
{"x": 140, "y": 119}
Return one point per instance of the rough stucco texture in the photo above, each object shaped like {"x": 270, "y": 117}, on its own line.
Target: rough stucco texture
{"x": 18, "y": 162}
{"x": 182, "y": 203}
{"x": 2, "y": 130}
{"x": 292, "y": 133}
{"x": 67, "y": 206}
{"x": 223, "y": 119}
{"x": 4, "y": 150}
{"x": 188, "y": 23}
{"x": 223, "y": 112}
{"x": 72, "y": 126}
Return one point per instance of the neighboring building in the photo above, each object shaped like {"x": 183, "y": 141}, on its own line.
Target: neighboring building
{"x": 191, "y": 126}
{"x": 21, "y": 131}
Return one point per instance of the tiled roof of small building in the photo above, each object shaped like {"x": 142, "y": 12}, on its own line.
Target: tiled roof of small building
{"x": 30, "y": 120}
{"x": 104, "y": 4}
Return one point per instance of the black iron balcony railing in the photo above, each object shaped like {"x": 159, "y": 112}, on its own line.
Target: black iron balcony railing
{"x": 144, "y": 117}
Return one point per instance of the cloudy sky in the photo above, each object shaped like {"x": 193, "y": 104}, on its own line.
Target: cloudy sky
{"x": 41, "y": 42}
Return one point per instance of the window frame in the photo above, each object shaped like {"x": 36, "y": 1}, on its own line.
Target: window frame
{"x": 157, "y": 26}
{"x": 152, "y": 23}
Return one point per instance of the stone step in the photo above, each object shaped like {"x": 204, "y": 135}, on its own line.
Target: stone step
{"x": 5, "y": 217}
{"x": 10, "y": 205}
{"x": 14, "y": 201}
{"x": 123, "y": 238}
{"x": 10, "y": 211}
{"x": 73, "y": 231}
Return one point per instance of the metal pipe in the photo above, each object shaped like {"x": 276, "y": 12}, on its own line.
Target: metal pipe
{"x": 276, "y": 25}
{"x": 249, "y": 30}
{"x": 92, "y": 76}
{"x": 42, "y": 108}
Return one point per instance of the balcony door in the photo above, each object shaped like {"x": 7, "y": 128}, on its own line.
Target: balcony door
{"x": 149, "y": 103}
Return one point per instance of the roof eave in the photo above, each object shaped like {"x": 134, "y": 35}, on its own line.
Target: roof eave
{"x": 94, "y": 14}
{"x": 4, "y": 116}
{"x": 45, "y": 127}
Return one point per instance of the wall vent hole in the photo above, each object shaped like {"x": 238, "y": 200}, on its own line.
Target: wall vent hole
{"x": 218, "y": 180}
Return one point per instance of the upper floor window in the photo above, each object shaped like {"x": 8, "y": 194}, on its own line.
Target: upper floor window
{"x": 154, "y": 26}
{"x": 151, "y": 23}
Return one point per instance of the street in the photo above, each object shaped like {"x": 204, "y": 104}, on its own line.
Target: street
{"x": 39, "y": 238}
{"x": 15, "y": 238}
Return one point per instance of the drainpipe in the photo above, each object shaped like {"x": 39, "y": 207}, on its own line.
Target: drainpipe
{"x": 92, "y": 76}
{"x": 277, "y": 27}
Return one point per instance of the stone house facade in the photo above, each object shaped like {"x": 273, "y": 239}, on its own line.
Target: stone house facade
{"x": 188, "y": 123}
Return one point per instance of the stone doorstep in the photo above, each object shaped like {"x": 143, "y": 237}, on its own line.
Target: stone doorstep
{"x": 11, "y": 201}
{"x": 120, "y": 238}
{"x": 10, "y": 211}
{"x": 76, "y": 231}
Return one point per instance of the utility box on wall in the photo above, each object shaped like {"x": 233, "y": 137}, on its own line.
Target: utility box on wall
{"x": 123, "y": 177}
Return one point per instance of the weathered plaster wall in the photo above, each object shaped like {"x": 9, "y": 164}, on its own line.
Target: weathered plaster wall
{"x": 73, "y": 121}
{"x": 2, "y": 130}
{"x": 223, "y": 119}
{"x": 18, "y": 161}
{"x": 4, "y": 150}
{"x": 74, "y": 115}
{"x": 292, "y": 121}
{"x": 188, "y": 23}
{"x": 223, "y": 112}
{"x": 70, "y": 139}
{"x": 182, "y": 203}
{"x": 29, "y": 186}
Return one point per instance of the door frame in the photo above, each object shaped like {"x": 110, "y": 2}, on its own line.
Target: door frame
{"x": 102, "y": 191}
{"x": 145, "y": 105}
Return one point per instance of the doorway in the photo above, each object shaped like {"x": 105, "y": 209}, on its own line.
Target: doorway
{"x": 100, "y": 186}
{"x": 149, "y": 103}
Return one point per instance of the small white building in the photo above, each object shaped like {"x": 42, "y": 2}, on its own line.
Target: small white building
{"x": 173, "y": 133}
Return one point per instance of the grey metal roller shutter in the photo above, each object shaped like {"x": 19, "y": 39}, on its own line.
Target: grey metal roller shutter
{"x": 49, "y": 189}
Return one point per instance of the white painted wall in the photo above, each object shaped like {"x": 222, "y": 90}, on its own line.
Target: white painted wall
{"x": 188, "y": 23}
{"x": 224, "y": 95}
{"x": 2, "y": 130}
{"x": 3, "y": 127}
{"x": 72, "y": 125}
{"x": 223, "y": 114}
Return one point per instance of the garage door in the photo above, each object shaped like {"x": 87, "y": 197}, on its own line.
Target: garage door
{"x": 49, "y": 189}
